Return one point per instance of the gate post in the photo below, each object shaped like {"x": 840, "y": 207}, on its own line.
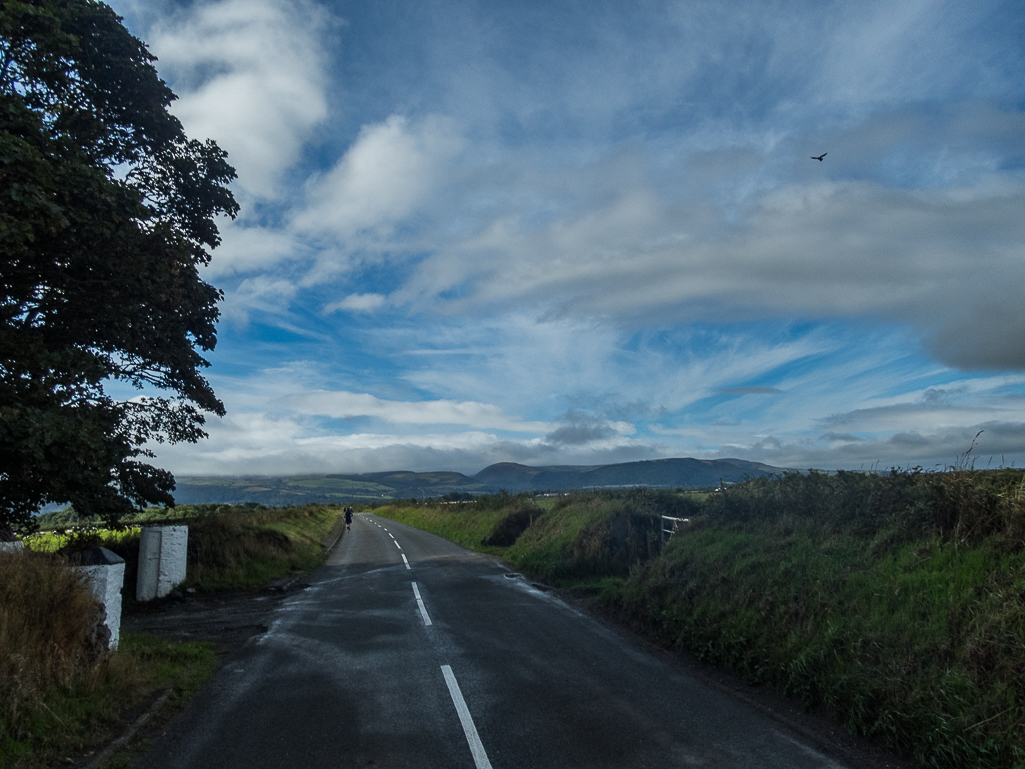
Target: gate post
{"x": 163, "y": 554}
{"x": 104, "y": 572}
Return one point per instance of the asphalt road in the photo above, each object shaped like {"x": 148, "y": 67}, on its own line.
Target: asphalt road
{"x": 408, "y": 651}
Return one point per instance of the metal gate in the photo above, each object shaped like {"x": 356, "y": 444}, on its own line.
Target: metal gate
{"x": 672, "y": 527}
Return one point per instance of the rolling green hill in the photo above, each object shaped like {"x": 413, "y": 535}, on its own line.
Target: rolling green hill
{"x": 367, "y": 487}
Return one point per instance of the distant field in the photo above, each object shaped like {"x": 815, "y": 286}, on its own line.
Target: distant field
{"x": 385, "y": 487}
{"x": 323, "y": 489}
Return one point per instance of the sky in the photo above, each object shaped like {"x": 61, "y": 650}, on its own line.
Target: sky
{"x": 569, "y": 232}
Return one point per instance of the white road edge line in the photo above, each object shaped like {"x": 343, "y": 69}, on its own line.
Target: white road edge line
{"x": 480, "y": 758}
{"x": 405, "y": 561}
{"x": 420, "y": 603}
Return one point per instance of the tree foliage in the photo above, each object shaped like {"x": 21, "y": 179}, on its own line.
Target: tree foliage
{"x": 107, "y": 209}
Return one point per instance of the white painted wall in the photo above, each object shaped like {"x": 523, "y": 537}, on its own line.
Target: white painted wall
{"x": 163, "y": 552}
{"x": 105, "y": 582}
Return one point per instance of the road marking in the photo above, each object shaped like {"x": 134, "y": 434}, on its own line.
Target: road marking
{"x": 390, "y": 535}
{"x": 480, "y": 758}
{"x": 405, "y": 561}
{"x": 398, "y": 545}
{"x": 420, "y": 603}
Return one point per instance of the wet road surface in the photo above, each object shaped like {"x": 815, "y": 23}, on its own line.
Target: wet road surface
{"x": 409, "y": 651}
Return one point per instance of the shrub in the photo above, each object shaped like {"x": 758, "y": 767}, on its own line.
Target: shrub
{"x": 47, "y": 616}
{"x": 519, "y": 516}
{"x": 241, "y": 548}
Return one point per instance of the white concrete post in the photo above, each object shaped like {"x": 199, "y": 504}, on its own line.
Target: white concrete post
{"x": 10, "y": 543}
{"x": 162, "y": 560}
{"x": 104, "y": 572}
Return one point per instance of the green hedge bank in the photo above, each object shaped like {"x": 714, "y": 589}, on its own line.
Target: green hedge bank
{"x": 895, "y": 601}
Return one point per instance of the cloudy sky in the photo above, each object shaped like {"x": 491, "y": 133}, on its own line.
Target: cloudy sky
{"x": 569, "y": 232}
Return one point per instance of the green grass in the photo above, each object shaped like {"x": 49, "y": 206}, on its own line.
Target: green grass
{"x": 919, "y": 646}
{"x": 465, "y": 525}
{"x": 78, "y": 717}
{"x": 242, "y": 549}
{"x": 231, "y": 547}
{"x": 52, "y": 541}
{"x": 896, "y": 603}
{"x": 571, "y": 540}
{"x": 55, "y": 706}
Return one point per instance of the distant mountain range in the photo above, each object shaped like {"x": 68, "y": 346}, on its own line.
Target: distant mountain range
{"x": 512, "y": 477}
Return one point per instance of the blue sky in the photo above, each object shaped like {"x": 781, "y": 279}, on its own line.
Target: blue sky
{"x": 587, "y": 232}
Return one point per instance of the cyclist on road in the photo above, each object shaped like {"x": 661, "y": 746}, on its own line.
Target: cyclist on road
{"x": 348, "y": 518}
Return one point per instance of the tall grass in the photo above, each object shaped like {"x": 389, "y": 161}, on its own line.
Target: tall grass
{"x": 46, "y": 615}
{"x": 231, "y": 547}
{"x": 241, "y": 548}
{"x": 74, "y": 539}
{"x": 895, "y": 602}
{"x": 577, "y": 536}
{"x": 594, "y": 535}
{"x": 60, "y": 694}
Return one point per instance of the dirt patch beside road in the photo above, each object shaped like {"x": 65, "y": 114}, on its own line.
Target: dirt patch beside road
{"x": 227, "y": 620}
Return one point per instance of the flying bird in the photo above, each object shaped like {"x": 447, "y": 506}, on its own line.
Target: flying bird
{"x": 819, "y": 158}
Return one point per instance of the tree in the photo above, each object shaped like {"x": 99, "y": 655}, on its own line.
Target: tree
{"x": 107, "y": 209}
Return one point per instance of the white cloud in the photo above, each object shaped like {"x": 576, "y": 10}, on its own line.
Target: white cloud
{"x": 390, "y": 169}
{"x": 840, "y": 412}
{"x": 568, "y": 228}
{"x": 346, "y": 405}
{"x": 249, "y": 74}
{"x": 246, "y": 249}
{"x": 929, "y": 415}
{"x": 946, "y": 262}
{"x": 529, "y": 366}
{"x": 248, "y": 453}
{"x": 261, "y": 293}
{"x": 357, "y": 303}
{"x": 999, "y": 445}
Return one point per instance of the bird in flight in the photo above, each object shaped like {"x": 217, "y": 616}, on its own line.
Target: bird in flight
{"x": 819, "y": 158}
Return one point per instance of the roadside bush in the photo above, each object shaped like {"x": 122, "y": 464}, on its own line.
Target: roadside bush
{"x": 46, "y": 618}
{"x": 493, "y": 502}
{"x": 624, "y": 534}
{"x": 894, "y": 601}
{"x": 519, "y": 516}
{"x": 242, "y": 548}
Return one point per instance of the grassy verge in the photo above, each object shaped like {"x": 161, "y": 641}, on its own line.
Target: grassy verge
{"x": 60, "y": 696}
{"x": 72, "y": 539}
{"x": 570, "y": 541}
{"x": 896, "y": 603}
{"x": 86, "y": 711}
{"x": 60, "y": 692}
{"x": 242, "y": 549}
{"x": 231, "y": 547}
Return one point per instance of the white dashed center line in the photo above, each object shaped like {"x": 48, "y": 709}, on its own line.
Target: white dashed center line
{"x": 480, "y": 758}
{"x": 405, "y": 561}
{"x": 398, "y": 545}
{"x": 420, "y": 603}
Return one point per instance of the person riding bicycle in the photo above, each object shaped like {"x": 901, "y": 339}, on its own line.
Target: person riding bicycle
{"x": 348, "y": 518}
